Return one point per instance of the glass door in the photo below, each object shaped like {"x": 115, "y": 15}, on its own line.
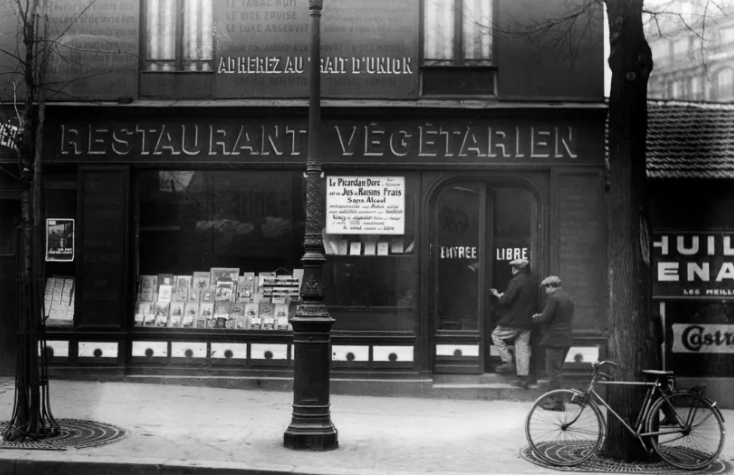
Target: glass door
{"x": 479, "y": 228}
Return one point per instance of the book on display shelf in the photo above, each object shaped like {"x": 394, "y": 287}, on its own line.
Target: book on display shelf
{"x": 281, "y": 316}
{"x": 241, "y": 323}
{"x": 174, "y": 322}
{"x": 224, "y": 289}
{"x": 139, "y": 320}
{"x": 149, "y": 282}
{"x": 165, "y": 293}
{"x": 188, "y": 321}
{"x": 207, "y": 294}
{"x": 201, "y": 280}
{"x": 230, "y": 324}
{"x": 191, "y": 309}
{"x": 194, "y": 294}
{"x": 161, "y": 321}
{"x": 147, "y": 294}
{"x": 165, "y": 279}
{"x": 383, "y": 248}
{"x": 200, "y": 322}
{"x": 177, "y": 309}
{"x": 221, "y": 313}
{"x": 396, "y": 246}
{"x": 181, "y": 294}
{"x": 266, "y": 312}
{"x": 206, "y": 309}
{"x": 149, "y": 320}
{"x": 219, "y": 273}
{"x": 183, "y": 281}
{"x": 245, "y": 289}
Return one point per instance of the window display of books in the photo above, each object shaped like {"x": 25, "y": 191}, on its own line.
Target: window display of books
{"x": 58, "y": 301}
{"x": 219, "y": 299}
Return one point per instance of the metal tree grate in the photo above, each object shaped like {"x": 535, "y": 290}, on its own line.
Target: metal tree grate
{"x": 73, "y": 433}
{"x": 602, "y": 465}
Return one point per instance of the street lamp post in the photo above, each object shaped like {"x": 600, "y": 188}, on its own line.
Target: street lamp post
{"x": 311, "y": 427}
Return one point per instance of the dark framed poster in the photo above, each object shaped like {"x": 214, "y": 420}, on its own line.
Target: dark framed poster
{"x": 60, "y": 240}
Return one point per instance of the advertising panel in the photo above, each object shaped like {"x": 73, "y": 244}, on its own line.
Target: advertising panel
{"x": 368, "y": 49}
{"x": 60, "y": 240}
{"x": 365, "y": 205}
{"x": 698, "y": 265}
{"x": 97, "y": 49}
{"x": 699, "y": 337}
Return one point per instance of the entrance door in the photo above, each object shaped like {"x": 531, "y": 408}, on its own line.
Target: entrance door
{"x": 480, "y": 227}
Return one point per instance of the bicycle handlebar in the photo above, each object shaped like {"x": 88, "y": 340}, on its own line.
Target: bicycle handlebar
{"x": 599, "y": 364}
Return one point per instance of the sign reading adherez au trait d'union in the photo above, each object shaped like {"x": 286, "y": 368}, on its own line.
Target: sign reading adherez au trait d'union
{"x": 693, "y": 265}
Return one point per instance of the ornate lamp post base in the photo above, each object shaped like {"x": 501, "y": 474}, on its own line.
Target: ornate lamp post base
{"x": 311, "y": 427}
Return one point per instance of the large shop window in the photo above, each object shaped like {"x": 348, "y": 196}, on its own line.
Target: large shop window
{"x": 457, "y": 47}
{"x": 219, "y": 249}
{"x": 369, "y": 239}
{"x": 179, "y": 35}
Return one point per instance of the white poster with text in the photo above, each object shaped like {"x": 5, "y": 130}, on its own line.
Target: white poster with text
{"x": 365, "y": 205}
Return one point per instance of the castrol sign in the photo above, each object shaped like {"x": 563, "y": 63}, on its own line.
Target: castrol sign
{"x": 703, "y": 338}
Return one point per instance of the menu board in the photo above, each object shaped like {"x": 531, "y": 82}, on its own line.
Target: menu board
{"x": 96, "y": 49}
{"x": 368, "y": 49}
{"x": 581, "y": 250}
{"x": 101, "y": 267}
{"x": 365, "y": 205}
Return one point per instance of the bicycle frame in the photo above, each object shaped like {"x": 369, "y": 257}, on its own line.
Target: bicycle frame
{"x": 651, "y": 396}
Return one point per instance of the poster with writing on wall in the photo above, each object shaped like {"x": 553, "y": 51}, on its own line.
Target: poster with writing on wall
{"x": 368, "y": 49}
{"x": 365, "y": 205}
{"x": 60, "y": 240}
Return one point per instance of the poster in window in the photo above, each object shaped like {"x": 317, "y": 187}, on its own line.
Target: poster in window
{"x": 60, "y": 240}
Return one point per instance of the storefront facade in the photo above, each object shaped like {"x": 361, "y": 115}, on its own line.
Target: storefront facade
{"x": 427, "y": 196}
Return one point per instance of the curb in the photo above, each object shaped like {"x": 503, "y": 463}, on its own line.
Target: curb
{"x": 46, "y": 463}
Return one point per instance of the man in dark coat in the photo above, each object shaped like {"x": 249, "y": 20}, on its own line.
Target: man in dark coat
{"x": 557, "y": 338}
{"x": 515, "y": 307}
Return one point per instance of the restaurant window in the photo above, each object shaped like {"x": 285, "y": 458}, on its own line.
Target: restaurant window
{"x": 458, "y": 47}
{"x": 219, "y": 249}
{"x": 179, "y": 35}
{"x": 370, "y": 246}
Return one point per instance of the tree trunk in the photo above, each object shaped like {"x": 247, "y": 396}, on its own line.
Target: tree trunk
{"x": 630, "y": 60}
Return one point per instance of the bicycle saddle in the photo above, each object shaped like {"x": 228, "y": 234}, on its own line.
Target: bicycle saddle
{"x": 655, "y": 372}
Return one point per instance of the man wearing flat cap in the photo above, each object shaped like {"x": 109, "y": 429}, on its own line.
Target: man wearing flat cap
{"x": 557, "y": 337}
{"x": 515, "y": 307}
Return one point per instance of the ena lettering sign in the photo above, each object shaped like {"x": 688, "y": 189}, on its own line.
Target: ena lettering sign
{"x": 693, "y": 265}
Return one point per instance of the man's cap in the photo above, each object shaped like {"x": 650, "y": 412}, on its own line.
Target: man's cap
{"x": 519, "y": 263}
{"x": 551, "y": 280}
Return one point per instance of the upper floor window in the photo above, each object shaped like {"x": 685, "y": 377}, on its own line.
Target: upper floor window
{"x": 680, "y": 47}
{"x": 695, "y": 89}
{"x": 726, "y": 36}
{"x": 725, "y": 85}
{"x": 179, "y": 35}
{"x": 457, "y": 32}
{"x": 660, "y": 52}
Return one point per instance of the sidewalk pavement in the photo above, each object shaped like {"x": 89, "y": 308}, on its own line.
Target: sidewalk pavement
{"x": 198, "y": 430}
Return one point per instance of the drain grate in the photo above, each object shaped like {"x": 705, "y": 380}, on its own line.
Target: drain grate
{"x": 76, "y": 434}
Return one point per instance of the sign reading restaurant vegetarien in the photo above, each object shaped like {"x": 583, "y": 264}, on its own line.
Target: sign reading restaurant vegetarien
{"x": 695, "y": 265}
{"x": 368, "y": 48}
{"x": 365, "y": 205}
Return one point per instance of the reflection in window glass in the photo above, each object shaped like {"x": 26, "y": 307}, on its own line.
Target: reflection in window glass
{"x": 458, "y": 223}
{"x": 514, "y": 236}
{"x": 194, "y": 220}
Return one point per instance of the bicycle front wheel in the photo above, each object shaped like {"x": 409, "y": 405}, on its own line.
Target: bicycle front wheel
{"x": 563, "y": 428}
{"x": 687, "y": 446}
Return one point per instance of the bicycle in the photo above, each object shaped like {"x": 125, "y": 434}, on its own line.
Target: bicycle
{"x": 565, "y": 427}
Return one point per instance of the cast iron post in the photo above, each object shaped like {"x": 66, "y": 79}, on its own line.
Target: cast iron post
{"x": 311, "y": 427}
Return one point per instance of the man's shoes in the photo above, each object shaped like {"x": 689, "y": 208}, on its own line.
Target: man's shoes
{"x": 521, "y": 382}
{"x": 505, "y": 368}
{"x": 553, "y": 406}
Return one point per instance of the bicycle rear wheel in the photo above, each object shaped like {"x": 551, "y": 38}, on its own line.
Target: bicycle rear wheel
{"x": 563, "y": 428}
{"x": 692, "y": 448}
